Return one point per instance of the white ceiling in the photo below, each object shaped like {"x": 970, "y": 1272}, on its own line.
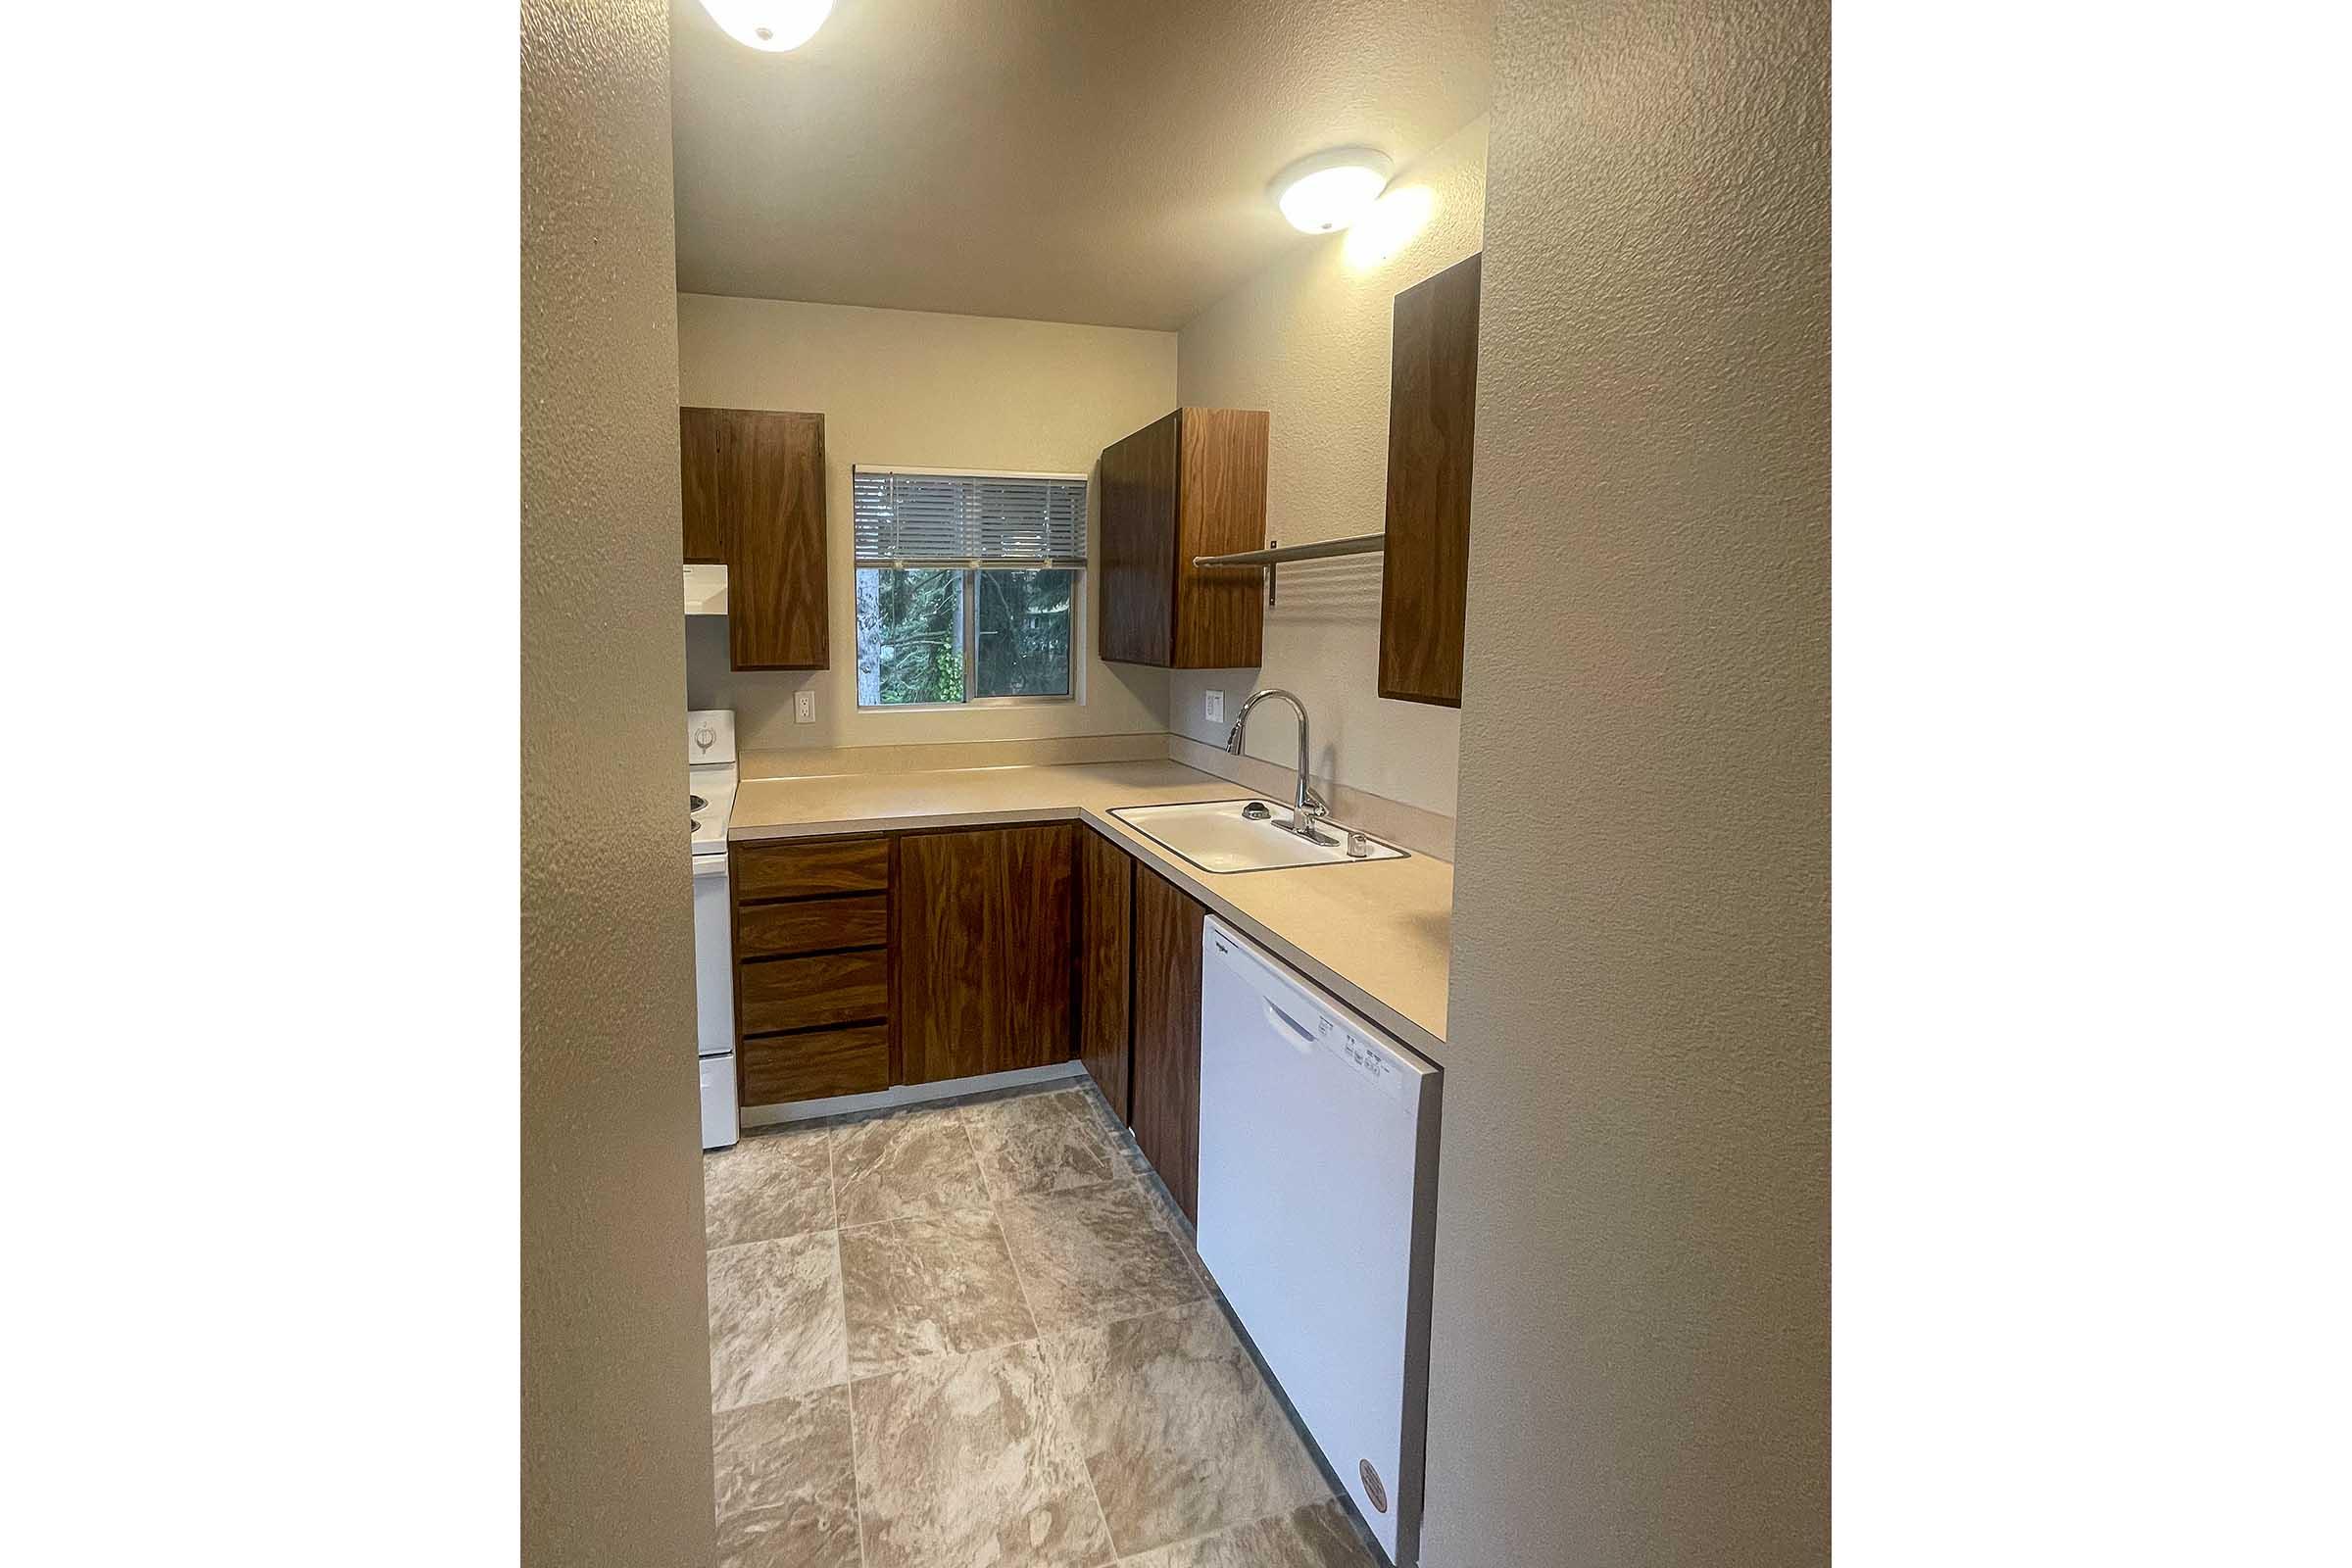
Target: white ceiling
{"x": 1095, "y": 161}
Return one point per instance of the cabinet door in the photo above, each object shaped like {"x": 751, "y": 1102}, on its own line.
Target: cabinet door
{"x": 1107, "y": 907}
{"x": 774, "y": 488}
{"x": 1036, "y": 950}
{"x": 702, "y": 441}
{"x": 1137, "y": 612}
{"x": 984, "y": 950}
{"x": 1166, "y": 1088}
{"x": 1432, "y": 404}
{"x": 942, "y": 1001}
{"x": 1222, "y": 511}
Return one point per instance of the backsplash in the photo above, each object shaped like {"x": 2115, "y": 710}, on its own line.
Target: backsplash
{"x": 814, "y": 761}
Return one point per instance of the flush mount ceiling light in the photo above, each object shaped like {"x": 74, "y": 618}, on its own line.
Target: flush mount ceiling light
{"x": 1331, "y": 190}
{"x": 774, "y": 26}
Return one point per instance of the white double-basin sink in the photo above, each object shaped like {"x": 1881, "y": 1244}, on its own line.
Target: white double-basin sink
{"x": 1226, "y": 836}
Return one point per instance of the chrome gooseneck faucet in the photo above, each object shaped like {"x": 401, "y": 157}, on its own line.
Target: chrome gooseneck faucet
{"x": 1308, "y": 805}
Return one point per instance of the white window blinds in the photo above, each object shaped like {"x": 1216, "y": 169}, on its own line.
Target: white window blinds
{"x": 924, "y": 515}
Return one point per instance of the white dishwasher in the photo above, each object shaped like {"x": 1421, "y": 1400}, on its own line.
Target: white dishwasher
{"x": 1318, "y": 1202}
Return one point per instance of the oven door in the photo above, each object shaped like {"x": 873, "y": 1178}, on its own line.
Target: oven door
{"x": 714, "y": 998}
{"x": 713, "y": 957}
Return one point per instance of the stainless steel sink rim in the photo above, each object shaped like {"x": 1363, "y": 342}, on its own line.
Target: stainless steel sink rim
{"x": 1397, "y": 852}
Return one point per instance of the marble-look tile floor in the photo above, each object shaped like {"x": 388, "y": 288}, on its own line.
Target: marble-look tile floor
{"x": 978, "y": 1334}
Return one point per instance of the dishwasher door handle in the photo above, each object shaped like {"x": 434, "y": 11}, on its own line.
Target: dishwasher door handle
{"x": 1306, "y": 1041}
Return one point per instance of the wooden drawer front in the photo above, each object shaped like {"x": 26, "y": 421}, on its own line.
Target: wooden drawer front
{"x": 800, "y": 992}
{"x": 813, "y": 1067}
{"x": 861, "y": 922}
{"x": 796, "y": 870}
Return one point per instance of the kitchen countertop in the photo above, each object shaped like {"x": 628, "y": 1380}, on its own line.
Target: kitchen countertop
{"x": 1376, "y": 935}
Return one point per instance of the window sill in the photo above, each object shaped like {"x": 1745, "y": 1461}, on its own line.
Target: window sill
{"x": 976, "y": 701}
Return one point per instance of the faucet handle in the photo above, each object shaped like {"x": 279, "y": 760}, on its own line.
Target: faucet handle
{"x": 1315, "y": 806}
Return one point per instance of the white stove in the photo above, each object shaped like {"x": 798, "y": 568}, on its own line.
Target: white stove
{"x": 710, "y": 802}
{"x": 709, "y": 778}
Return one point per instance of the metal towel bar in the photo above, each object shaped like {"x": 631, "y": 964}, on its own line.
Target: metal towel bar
{"x": 1276, "y": 553}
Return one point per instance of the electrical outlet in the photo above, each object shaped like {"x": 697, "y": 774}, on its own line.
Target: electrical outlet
{"x": 1216, "y": 708}
{"x": 803, "y": 707}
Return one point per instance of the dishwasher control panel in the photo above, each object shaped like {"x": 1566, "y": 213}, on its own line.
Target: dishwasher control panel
{"x": 1373, "y": 1064}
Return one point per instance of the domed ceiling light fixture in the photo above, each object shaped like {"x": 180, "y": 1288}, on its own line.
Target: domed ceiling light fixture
{"x": 774, "y": 26}
{"x": 1332, "y": 189}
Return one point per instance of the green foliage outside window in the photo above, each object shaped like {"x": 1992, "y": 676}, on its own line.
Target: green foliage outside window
{"x": 912, "y": 636}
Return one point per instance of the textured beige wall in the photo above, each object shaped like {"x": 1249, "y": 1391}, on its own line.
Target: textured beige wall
{"x": 615, "y": 1379}
{"x": 1630, "y": 1359}
{"x": 931, "y": 391}
{"x": 1309, "y": 340}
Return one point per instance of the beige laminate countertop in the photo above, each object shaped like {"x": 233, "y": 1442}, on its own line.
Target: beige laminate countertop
{"x": 1375, "y": 934}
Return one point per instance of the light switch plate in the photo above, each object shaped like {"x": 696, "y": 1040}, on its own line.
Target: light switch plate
{"x": 803, "y": 707}
{"x": 1216, "y": 708}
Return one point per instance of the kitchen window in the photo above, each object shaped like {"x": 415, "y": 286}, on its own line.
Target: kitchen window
{"x": 967, "y": 586}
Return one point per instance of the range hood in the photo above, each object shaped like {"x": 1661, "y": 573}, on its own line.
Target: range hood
{"x": 705, "y": 590}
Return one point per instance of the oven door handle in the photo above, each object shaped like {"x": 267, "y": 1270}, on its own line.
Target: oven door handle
{"x": 709, "y": 866}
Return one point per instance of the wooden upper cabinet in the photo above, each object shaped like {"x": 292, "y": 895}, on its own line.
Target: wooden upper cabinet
{"x": 1191, "y": 484}
{"x": 701, "y": 440}
{"x": 752, "y": 488}
{"x": 1433, "y": 405}
{"x": 1165, "y": 1091}
{"x": 985, "y": 950}
{"x": 776, "y": 572}
{"x": 1105, "y": 910}
{"x": 1138, "y": 612}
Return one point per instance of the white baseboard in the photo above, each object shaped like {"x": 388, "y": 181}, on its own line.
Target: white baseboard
{"x": 907, "y": 1095}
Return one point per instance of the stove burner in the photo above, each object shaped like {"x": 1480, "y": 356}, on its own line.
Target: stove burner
{"x": 692, "y": 826}
{"x": 695, "y": 803}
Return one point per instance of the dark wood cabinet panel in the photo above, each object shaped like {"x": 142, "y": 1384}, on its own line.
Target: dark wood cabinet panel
{"x": 1138, "y": 614}
{"x": 703, "y": 435}
{"x": 812, "y": 925}
{"x": 776, "y": 572}
{"x": 1221, "y": 507}
{"x": 1166, "y": 1084}
{"x": 940, "y": 994}
{"x": 1433, "y": 405}
{"x": 803, "y": 870}
{"x": 1106, "y": 912}
{"x": 751, "y": 495}
{"x": 777, "y": 1068}
{"x": 1191, "y": 484}
{"x": 984, "y": 950}
{"x": 1037, "y": 946}
{"x": 774, "y": 994}
{"x": 813, "y": 944}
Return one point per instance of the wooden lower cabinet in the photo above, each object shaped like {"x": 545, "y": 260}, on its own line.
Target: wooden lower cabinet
{"x": 812, "y": 950}
{"x": 1106, "y": 916}
{"x": 815, "y": 1064}
{"x": 812, "y": 925}
{"x": 812, "y": 868}
{"x": 1165, "y": 1087}
{"x": 802, "y": 993}
{"x": 985, "y": 950}
{"x": 867, "y": 962}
